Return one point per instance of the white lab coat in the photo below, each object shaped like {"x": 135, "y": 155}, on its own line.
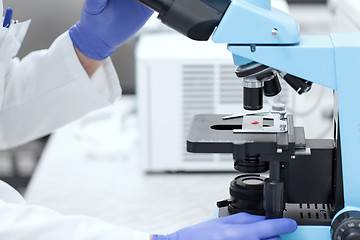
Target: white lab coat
{"x": 38, "y": 94}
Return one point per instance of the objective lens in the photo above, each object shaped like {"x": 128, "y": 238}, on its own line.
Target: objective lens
{"x": 272, "y": 86}
{"x": 299, "y": 85}
{"x": 253, "y": 94}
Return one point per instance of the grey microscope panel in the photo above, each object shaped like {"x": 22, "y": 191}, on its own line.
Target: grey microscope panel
{"x": 50, "y": 18}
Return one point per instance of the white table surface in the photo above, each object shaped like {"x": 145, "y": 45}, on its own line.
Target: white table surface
{"x": 71, "y": 181}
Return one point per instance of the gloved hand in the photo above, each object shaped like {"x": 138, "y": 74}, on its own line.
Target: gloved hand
{"x": 241, "y": 226}
{"x": 106, "y": 24}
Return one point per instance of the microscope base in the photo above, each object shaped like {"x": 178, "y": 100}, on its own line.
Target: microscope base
{"x": 304, "y": 232}
{"x": 303, "y": 214}
{"x": 309, "y": 233}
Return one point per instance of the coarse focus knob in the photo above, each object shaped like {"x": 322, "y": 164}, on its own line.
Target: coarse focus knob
{"x": 346, "y": 226}
{"x": 352, "y": 234}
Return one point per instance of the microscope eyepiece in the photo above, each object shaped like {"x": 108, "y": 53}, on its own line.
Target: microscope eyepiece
{"x": 160, "y": 6}
{"x": 196, "y": 19}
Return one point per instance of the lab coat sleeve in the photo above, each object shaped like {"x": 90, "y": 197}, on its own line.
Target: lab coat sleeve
{"x": 23, "y": 221}
{"x": 48, "y": 89}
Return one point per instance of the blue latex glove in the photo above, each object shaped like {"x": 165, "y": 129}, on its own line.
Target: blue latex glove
{"x": 106, "y": 24}
{"x": 240, "y": 226}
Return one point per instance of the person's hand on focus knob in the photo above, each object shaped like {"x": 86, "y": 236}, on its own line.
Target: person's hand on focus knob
{"x": 106, "y": 24}
{"x": 241, "y": 226}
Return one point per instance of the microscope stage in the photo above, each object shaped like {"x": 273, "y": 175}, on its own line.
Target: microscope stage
{"x": 218, "y": 133}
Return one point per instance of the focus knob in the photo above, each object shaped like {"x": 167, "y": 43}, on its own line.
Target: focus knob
{"x": 346, "y": 226}
{"x": 352, "y": 234}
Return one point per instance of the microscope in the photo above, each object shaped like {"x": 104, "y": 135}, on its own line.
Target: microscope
{"x": 313, "y": 181}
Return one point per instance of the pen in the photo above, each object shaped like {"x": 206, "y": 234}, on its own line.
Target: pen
{"x": 7, "y": 18}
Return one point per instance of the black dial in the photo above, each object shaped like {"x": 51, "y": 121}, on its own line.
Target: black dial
{"x": 346, "y": 226}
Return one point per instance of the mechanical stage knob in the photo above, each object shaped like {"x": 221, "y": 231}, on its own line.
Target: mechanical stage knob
{"x": 346, "y": 226}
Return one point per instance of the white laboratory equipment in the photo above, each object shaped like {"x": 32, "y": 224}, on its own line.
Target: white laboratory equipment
{"x": 177, "y": 78}
{"x": 346, "y": 15}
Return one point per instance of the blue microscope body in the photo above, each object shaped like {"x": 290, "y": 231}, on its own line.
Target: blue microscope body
{"x": 261, "y": 36}
{"x": 256, "y": 32}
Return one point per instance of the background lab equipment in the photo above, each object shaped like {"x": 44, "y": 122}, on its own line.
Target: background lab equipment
{"x": 270, "y": 141}
{"x": 346, "y": 15}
